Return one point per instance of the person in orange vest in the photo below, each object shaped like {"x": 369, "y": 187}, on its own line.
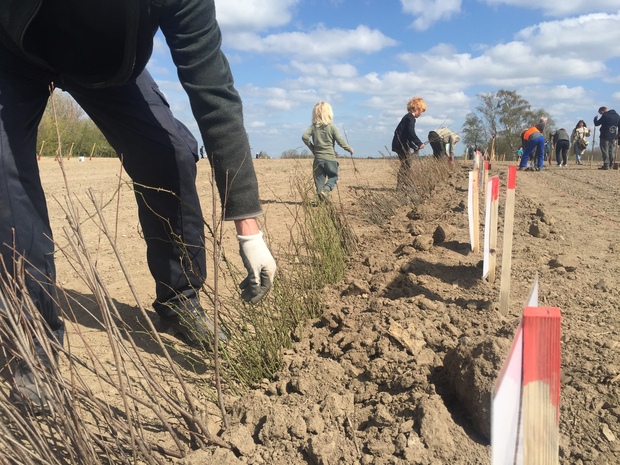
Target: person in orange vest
{"x": 534, "y": 140}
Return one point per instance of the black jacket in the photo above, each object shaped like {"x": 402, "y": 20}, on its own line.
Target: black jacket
{"x": 100, "y": 44}
{"x": 405, "y": 138}
{"x": 609, "y": 122}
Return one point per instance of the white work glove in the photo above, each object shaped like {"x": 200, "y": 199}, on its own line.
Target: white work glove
{"x": 260, "y": 265}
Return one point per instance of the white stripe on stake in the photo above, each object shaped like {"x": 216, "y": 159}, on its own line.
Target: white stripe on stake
{"x": 490, "y": 229}
{"x": 506, "y": 424}
{"x": 532, "y": 298}
{"x": 486, "y": 172}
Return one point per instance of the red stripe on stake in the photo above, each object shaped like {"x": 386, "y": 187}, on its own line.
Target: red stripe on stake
{"x": 541, "y": 348}
{"x": 512, "y": 177}
{"x": 541, "y": 385}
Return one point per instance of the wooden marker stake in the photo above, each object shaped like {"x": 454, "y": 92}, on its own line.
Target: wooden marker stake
{"x": 41, "y": 150}
{"x": 473, "y": 211}
{"x": 541, "y": 385}
{"x": 486, "y": 173}
{"x": 490, "y": 229}
{"x": 509, "y": 214}
{"x": 493, "y": 229}
{"x": 526, "y": 399}
{"x": 70, "y": 151}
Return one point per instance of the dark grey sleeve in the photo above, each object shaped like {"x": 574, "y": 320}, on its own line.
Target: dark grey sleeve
{"x": 194, "y": 38}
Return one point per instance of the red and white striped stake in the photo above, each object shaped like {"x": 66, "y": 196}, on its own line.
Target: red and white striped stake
{"x": 473, "y": 211}
{"x": 526, "y": 399}
{"x": 509, "y": 214}
{"x": 490, "y": 229}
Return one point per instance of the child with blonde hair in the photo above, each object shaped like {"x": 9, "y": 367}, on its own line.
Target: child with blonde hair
{"x": 321, "y": 137}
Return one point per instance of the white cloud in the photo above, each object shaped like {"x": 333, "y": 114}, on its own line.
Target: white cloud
{"x": 428, "y": 12}
{"x": 560, "y": 8}
{"x": 253, "y": 15}
{"x": 159, "y": 46}
{"x": 321, "y": 44}
{"x": 588, "y": 35}
{"x": 155, "y": 67}
{"x": 535, "y": 64}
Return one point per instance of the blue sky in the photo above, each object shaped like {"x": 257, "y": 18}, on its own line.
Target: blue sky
{"x": 368, "y": 57}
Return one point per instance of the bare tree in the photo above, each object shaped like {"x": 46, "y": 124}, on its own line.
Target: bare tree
{"x": 503, "y": 114}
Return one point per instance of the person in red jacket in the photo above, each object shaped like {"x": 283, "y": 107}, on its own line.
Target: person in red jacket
{"x": 97, "y": 52}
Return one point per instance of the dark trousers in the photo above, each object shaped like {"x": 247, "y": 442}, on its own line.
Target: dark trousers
{"x": 403, "y": 177}
{"x": 437, "y": 144}
{"x": 561, "y": 149}
{"x": 157, "y": 151}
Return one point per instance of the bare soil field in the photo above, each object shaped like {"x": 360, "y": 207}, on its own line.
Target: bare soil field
{"x": 400, "y": 366}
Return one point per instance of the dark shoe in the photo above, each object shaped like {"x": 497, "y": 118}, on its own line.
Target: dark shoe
{"x": 27, "y": 388}
{"x": 192, "y": 326}
{"x": 604, "y": 167}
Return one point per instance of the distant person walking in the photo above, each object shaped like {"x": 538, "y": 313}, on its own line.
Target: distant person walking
{"x": 405, "y": 141}
{"x": 579, "y": 139}
{"x": 561, "y": 140}
{"x": 321, "y": 137}
{"x": 609, "y": 121}
{"x": 534, "y": 141}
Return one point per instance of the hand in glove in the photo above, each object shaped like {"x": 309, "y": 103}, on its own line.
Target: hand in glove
{"x": 260, "y": 265}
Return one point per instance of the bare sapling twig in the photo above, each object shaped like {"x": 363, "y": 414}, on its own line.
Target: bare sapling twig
{"x": 216, "y": 297}
{"x": 108, "y": 322}
{"x": 355, "y": 170}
